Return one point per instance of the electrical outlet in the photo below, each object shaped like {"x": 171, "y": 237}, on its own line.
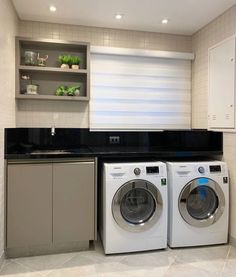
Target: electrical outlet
{"x": 114, "y": 139}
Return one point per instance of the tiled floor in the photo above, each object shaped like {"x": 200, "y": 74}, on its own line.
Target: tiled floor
{"x": 203, "y": 261}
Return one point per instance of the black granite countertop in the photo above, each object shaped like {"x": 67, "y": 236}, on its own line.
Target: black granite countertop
{"x": 108, "y": 152}
{"x": 37, "y": 143}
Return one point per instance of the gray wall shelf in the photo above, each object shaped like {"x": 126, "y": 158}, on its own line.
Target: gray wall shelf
{"x": 50, "y": 77}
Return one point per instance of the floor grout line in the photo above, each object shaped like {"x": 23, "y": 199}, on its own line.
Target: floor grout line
{"x": 75, "y": 253}
{"x": 172, "y": 263}
{"x": 40, "y": 271}
{"x": 225, "y": 261}
{"x": 29, "y": 270}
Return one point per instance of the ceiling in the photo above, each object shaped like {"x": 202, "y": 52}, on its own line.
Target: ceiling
{"x": 185, "y": 16}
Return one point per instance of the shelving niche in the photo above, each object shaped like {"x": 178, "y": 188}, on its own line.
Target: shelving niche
{"x": 50, "y": 77}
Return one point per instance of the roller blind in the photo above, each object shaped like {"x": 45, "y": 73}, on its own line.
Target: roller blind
{"x": 139, "y": 91}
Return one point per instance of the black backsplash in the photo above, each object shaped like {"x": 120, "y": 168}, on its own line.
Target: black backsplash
{"x": 24, "y": 140}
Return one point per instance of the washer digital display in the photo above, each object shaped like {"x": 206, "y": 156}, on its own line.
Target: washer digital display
{"x": 215, "y": 168}
{"x": 152, "y": 169}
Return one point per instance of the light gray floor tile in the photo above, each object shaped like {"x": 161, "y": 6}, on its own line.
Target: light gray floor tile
{"x": 190, "y": 270}
{"x": 229, "y": 269}
{"x": 205, "y": 261}
{"x": 198, "y": 254}
{"x": 79, "y": 271}
{"x": 213, "y": 261}
{"x": 11, "y": 268}
{"x": 46, "y": 262}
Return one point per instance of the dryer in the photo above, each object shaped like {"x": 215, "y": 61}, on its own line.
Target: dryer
{"x": 134, "y": 207}
{"x": 198, "y": 203}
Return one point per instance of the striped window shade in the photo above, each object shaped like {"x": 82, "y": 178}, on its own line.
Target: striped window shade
{"x": 140, "y": 89}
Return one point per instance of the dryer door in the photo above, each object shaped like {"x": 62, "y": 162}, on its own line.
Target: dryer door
{"x": 137, "y": 205}
{"x": 201, "y": 202}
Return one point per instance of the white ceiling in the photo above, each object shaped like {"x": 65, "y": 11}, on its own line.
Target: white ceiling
{"x": 185, "y": 16}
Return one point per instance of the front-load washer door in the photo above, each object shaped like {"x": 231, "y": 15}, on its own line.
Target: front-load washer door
{"x": 201, "y": 202}
{"x": 137, "y": 205}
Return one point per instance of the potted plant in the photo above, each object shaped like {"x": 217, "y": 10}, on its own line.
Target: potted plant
{"x": 61, "y": 91}
{"x": 65, "y": 61}
{"x": 68, "y": 91}
{"x": 75, "y": 61}
{"x": 31, "y": 88}
{"x": 73, "y": 91}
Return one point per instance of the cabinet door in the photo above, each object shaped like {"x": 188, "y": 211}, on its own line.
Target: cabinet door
{"x": 73, "y": 202}
{"x": 29, "y": 205}
{"x": 222, "y": 85}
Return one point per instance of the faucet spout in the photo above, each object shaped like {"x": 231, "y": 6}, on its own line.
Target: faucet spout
{"x": 53, "y": 131}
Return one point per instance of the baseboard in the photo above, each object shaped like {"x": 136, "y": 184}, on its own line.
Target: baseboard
{"x": 232, "y": 241}
{"x": 2, "y": 258}
{"x": 46, "y": 249}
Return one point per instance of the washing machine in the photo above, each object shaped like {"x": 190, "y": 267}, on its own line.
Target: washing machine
{"x": 134, "y": 207}
{"x": 198, "y": 203}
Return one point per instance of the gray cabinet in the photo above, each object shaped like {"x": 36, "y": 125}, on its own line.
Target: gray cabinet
{"x": 50, "y": 203}
{"x": 29, "y": 205}
{"x": 73, "y": 201}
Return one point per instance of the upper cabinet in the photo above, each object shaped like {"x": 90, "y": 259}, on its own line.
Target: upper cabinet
{"x": 221, "y": 98}
{"x": 52, "y": 70}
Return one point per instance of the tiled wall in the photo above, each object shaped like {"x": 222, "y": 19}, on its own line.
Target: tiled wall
{"x": 47, "y": 114}
{"x": 8, "y": 29}
{"x": 221, "y": 28}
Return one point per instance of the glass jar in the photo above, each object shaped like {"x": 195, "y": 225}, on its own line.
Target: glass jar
{"x": 30, "y": 58}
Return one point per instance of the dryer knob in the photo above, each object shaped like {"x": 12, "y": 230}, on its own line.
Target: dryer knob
{"x": 201, "y": 169}
{"x": 137, "y": 171}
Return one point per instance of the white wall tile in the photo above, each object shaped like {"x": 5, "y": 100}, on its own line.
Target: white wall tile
{"x": 8, "y": 29}
{"x": 222, "y": 27}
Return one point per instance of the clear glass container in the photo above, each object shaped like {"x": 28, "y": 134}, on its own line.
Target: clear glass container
{"x": 30, "y": 58}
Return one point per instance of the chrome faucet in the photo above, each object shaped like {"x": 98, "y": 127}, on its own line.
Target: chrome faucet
{"x": 53, "y": 131}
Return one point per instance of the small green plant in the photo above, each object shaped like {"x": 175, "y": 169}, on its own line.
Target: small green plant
{"x": 75, "y": 60}
{"x": 67, "y": 91}
{"x": 60, "y": 91}
{"x": 65, "y": 59}
{"x": 71, "y": 91}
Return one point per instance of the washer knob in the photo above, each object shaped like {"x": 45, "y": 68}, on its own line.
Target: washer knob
{"x": 137, "y": 171}
{"x": 201, "y": 169}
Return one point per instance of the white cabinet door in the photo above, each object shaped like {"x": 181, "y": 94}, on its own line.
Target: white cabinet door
{"x": 221, "y": 107}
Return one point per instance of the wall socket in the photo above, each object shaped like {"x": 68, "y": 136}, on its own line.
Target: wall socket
{"x": 114, "y": 139}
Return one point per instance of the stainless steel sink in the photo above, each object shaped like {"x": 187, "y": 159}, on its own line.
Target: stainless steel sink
{"x": 50, "y": 152}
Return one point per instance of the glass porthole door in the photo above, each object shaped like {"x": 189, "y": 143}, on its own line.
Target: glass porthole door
{"x": 201, "y": 202}
{"x": 137, "y": 205}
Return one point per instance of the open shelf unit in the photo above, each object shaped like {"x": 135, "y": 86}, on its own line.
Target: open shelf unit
{"x": 50, "y": 77}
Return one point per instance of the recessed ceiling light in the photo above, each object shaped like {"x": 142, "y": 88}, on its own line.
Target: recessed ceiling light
{"x": 164, "y": 21}
{"x": 52, "y": 9}
{"x": 118, "y": 16}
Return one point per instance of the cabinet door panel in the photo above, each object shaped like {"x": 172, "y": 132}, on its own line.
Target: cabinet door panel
{"x": 73, "y": 202}
{"x": 222, "y": 85}
{"x": 29, "y": 205}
